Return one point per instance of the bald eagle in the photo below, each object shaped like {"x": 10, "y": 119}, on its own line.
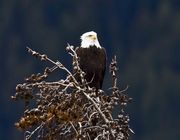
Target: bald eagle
{"x": 92, "y": 59}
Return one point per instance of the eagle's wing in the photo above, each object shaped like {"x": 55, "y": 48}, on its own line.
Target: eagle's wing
{"x": 104, "y": 56}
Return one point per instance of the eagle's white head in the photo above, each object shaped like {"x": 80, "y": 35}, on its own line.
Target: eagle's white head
{"x": 89, "y": 39}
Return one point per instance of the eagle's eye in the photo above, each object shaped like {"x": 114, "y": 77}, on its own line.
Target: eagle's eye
{"x": 90, "y": 35}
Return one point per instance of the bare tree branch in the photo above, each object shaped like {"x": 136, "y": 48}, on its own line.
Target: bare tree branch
{"x": 68, "y": 109}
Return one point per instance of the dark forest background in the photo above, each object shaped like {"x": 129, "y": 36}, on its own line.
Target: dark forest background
{"x": 144, "y": 34}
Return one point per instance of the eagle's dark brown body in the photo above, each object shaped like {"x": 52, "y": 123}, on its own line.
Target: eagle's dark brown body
{"x": 93, "y": 63}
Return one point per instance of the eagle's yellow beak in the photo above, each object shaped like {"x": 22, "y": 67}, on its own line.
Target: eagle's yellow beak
{"x": 93, "y": 37}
